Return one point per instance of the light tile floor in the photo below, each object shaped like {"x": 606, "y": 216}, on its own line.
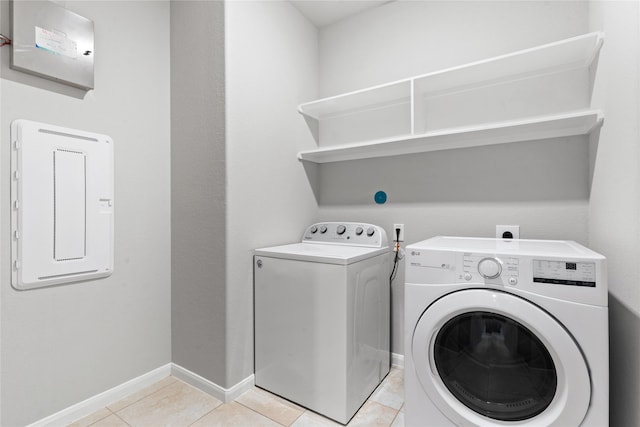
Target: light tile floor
{"x": 171, "y": 402}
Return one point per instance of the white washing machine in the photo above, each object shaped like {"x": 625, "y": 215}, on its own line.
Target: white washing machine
{"x": 505, "y": 333}
{"x": 322, "y": 317}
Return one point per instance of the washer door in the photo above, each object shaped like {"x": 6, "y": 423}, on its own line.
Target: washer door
{"x": 487, "y": 357}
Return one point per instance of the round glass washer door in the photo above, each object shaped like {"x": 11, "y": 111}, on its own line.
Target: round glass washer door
{"x": 487, "y": 357}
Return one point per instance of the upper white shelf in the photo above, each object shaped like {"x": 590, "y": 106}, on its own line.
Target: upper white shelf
{"x": 534, "y": 93}
{"x": 576, "y": 52}
{"x": 371, "y": 98}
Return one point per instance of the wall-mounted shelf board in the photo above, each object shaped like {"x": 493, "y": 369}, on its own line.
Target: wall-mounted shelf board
{"x": 560, "y": 125}
{"x": 537, "y": 91}
{"x": 368, "y": 99}
{"x": 575, "y": 52}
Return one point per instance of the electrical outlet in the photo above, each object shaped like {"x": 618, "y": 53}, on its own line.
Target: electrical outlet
{"x": 502, "y": 231}
{"x": 396, "y": 227}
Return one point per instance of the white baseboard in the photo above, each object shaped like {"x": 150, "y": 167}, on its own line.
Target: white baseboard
{"x": 99, "y": 401}
{"x": 397, "y": 360}
{"x": 224, "y": 394}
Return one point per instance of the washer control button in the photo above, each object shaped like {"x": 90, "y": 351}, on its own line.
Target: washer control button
{"x": 467, "y": 276}
{"x": 341, "y": 229}
{"x": 359, "y": 231}
{"x": 489, "y": 268}
{"x": 513, "y": 281}
{"x": 323, "y": 229}
{"x": 370, "y": 231}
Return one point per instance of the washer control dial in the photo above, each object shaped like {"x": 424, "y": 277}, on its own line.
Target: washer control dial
{"x": 359, "y": 231}
{"x": 323, "y": 229}
{"x": 489, "y": 268}
{"x": 341, "y": 229}
{"x": 370, "y": 231}
{"x": 314, "y": 229}
{"x": 468, "y": 276}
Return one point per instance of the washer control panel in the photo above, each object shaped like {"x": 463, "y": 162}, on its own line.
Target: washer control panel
{"x": 347, "y": 233}
{"x": 488, "y": 268}
{"x": 502, "y": 269}
{"x": 559, "y": 269}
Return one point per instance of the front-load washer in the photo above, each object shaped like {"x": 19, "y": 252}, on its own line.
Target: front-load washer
{"x": 505, "y": 333}
{"x": 322, "y": 317}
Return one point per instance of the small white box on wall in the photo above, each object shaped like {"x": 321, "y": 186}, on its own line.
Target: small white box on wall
{"x": 52, "y": 42}
{"x": 62, "y": 205}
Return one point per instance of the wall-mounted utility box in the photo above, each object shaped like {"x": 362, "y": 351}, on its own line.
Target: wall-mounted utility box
{"x": 52, "y": 42}
{"x": 61, "y": 205}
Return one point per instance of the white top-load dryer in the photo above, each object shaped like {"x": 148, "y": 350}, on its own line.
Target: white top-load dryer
{"x": 322, "y": 317}
{"x": 505, "y": 333}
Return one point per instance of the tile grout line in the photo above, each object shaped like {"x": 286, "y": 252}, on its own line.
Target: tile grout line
{"x": 97, "y": 421}
{"x": 394, "y": 417}
{"x": 105, "y": 417}
{"x": 143, "y": 397}
{"x": 276, "y": 421}
{"x": 122, "y": 419}
{"x": 297, "y": 418}
{"x": 261, "y": 414}
{"x": 204, "y": 415}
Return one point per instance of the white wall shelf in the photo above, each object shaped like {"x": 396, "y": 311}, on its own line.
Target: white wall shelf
{"x": 561, "y": 125}
{"x": 536, "y": 93}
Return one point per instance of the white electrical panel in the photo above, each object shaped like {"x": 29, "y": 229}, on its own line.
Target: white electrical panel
{"x": 62, "y": 205}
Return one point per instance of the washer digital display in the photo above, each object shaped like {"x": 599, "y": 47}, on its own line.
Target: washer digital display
{"x": 564, "y": 273}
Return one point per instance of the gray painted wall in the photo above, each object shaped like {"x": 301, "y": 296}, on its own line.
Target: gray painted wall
{"x": 239, "y": 70}
{"x": 271, "y": 67}
{"x": 198, "y": 188}
{"x": 614, "y": 210}
{"x": 64, "y": 344}
{"x": 456, "y": 192}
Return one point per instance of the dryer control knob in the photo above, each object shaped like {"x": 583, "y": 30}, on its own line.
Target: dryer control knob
{"x": 341, "y": 229}
{"x": 489, "y": 268}
{"x": 468, "y": 276}
{"x": 314, "y": 229}
{"x": 359, "y": 231}
{"x": 370, "y": 231}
